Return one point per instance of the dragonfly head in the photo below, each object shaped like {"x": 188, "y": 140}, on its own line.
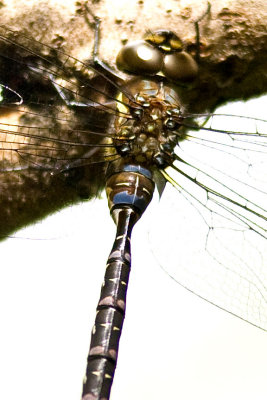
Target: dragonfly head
{"x": 160, "y": 53}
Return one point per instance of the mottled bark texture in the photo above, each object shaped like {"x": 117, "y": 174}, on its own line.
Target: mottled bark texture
{"x": 232, "y": 66}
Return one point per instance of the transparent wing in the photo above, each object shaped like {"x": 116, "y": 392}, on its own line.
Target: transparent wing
{"x": 38, "y": 128}
{"x": 213, "y": 240}
{"x": 54, "y": 144}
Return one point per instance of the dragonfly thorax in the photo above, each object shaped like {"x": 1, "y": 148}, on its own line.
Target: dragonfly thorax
{"x": 151, "y": 132}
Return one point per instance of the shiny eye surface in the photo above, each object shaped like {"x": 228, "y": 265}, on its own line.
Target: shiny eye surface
{"x": 140, "y": 58}
{"x": 180, "y": 66}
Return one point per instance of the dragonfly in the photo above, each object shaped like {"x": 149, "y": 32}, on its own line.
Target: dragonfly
{"x": 15, "y": 94}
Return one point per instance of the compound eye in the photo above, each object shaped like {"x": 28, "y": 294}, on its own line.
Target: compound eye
{"x": 140, "y": 58}
{"x": 180, "y": 66}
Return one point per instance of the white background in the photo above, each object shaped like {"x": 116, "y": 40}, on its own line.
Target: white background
{"x": 173, "y": 346}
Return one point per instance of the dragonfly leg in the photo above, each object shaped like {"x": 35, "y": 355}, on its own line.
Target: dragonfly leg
{"x": 196, "y": 23}
{"x": 72, "y": 103}
{"x": 95, "y": 61}
{"x": 69, "y": 103}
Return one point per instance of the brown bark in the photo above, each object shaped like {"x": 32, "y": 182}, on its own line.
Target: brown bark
{"x": 233, "y": 36}
{"x": 232, "y": 65}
